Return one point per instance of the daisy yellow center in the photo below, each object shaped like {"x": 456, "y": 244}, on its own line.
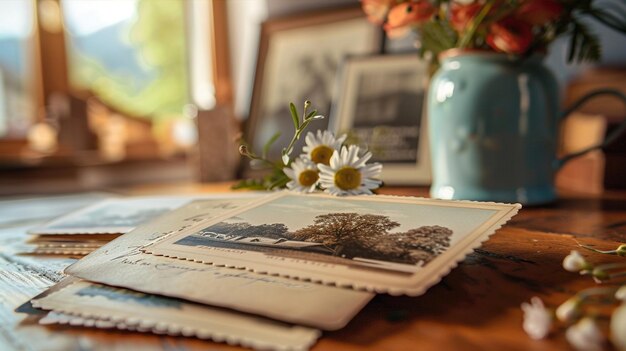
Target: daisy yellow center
{"x": 348, "y": 178}
{"x": 308, "y": 177}
{"x": 322, "y": 154}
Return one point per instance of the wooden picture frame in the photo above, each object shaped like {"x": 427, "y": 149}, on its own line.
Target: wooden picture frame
{"x": 298, "y": 59}
{"x": 381, "y": 106}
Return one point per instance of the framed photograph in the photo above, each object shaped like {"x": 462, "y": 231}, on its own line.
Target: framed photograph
{"x": 397, "y": 245}
{"x": 298, "y": 60}
{"x": 380, "y": 104}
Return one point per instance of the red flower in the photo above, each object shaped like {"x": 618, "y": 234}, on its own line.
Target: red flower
{"x": 462, "y": 15}
{"x": 376, "y": 10}
{"x": 539, "y": 12}
{"x": 407, "y": 14}
{"x": 510, "y": 35}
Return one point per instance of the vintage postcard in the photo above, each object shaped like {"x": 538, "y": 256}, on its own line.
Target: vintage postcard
{"x": 398, "y": 245}
{"x": 65, "y": 244}
{"x": 122, "y": 263}
{"x": 112, "y": 216}
{"x": 76, "y": 248}
{"x": 107, "y": 307}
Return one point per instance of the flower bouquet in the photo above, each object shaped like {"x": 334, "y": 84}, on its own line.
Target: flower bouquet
{"x": 584, "y": 315}
{"x": 519, "y": 27}
{"x": 324, "y": 164}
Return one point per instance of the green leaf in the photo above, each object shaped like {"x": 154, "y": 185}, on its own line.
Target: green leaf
{"x": 278, "y": 180}
{"x": 294, "y": 115}
{"x": 468, "y": 37}
{"x": 268, "y": 144}
{"x": 573, "y": 45}
{"x": 584, "y": 45}
{"x": 609, "y": 19}
{"x": 437, "y": 36}
{"x": 311, "y": 114}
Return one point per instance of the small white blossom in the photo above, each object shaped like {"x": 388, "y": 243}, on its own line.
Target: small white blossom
{"x": 537, "y": 319}
{"x": 585, "y": 335}
{"x": 618, "y": 327}
{"x": 620, "y": 294}
{"x": 575, "y": 262}
{"x": 304, "y": 175}
{"x": 568, "y": 310}
{"x": 348, "y": 173}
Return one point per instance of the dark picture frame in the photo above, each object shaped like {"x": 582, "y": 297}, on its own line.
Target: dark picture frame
{"x": 381, "y": 106}
{"x": 299, "y": 57}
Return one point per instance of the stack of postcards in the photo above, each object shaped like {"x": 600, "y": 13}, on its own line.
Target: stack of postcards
{"x": 268, "y": 272}
{"x": 81, "y": 232}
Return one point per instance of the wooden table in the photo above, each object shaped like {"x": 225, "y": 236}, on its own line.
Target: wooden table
{"x": 475, "y": 307}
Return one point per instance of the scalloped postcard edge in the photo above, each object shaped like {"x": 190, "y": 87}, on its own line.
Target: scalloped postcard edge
{"x": 427, "y": 275}
{"x": 236, "y": 328}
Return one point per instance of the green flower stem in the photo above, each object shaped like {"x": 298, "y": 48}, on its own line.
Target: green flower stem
{"x": 608, "y": 266}
{"x": 279, "y": 183}
{"x": 617, "y": 275}
{"x": 467, "y": 38}
{"x": 267, "y": 162}
{"x": 602, "y": 291}
{"x": 608, "y": 252}
{"x": 620, "y": 251}
{"x": 298, "y": 133}
{"x": 295, "y": 138}
{"x": 601, "y": 273}
{"x": 277, "y": 178}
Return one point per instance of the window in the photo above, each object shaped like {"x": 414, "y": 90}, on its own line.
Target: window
{"x": 130, "y": 54}
{"x": 17, "y": 98}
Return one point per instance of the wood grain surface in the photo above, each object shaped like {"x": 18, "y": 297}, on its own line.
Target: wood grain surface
{"x": 475, "y": 307}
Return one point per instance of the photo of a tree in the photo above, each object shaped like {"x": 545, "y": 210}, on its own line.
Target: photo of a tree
{"x": 342, "y": 235}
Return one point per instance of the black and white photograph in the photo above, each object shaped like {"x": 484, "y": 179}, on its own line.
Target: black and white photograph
{"x": 332, "y": 231}
{"x": 379, "y": 237}
{"x": 379, "y": 104}
{"x": 298, "y": 60}
{"x": 334, "y": 237}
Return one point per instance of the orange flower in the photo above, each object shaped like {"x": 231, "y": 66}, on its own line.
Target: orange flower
{"x": 376, "y": 10}
{"x": 539, "y": 12}
{"x": 461, "y": 15}
{"x": 403, "y": 16}
{"x": 510, "y": 35}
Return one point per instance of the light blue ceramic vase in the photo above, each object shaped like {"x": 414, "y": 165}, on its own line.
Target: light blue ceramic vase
{"x": 493, "y": 124}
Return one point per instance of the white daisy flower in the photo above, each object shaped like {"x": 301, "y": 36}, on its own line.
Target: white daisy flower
{"x": 348, "y": 174}
{"x": 304, "y": 175}
{"x": 319, "y": 148}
